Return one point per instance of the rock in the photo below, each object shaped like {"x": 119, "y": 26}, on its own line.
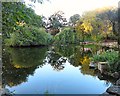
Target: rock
{"x": 115, "y": 75}
{"x": 106, "y": 94}
{"x": 118, "y": 82}
{"x": 92, "y": 65}
{"x": 4, "y": 91}
{"x": 115, "y": 90}
{"x": 103, "y": 66}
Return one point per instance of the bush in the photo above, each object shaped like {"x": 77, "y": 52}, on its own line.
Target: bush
{"x": 116, "y": 65}
{"x": 107, "y": 56}
{"x": 112, "y": 57}
{"x": 29, "y": 36}
{"x": 67, "y": 35}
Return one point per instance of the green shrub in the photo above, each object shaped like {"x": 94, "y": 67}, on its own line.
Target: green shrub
{"x": 67, "y": 35}
{"x": 116, "y": 65}
{"x": 29, "y": 36}
{"x": 112, "y": 57}
{"x": 107, "y": 56}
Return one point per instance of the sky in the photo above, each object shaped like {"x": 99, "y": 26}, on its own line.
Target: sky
{"x": 70, "y": 7}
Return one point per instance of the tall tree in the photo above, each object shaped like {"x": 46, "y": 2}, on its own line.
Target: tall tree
{"x": 39, "y": 1}
{"x": 110, "y": 16}
{"x": 55, "y": 22}
{"x": 16, "y": 13}
{"x": 73, "y": 19}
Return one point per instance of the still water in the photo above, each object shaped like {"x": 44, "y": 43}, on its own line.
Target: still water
{"x": 52, "y": 70}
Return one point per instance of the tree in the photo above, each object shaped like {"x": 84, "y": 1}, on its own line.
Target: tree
{"x": 110, "y": 18}
{"x": 66, "y": 36}
{"x": 16, "y": 13}
{"x": 39, "y": 1}
{"x": 98, "y": 23}
{"x": 73, "y": 19}
{"x": 83, "y": 28}
{"x": 21, "y": 26}
{"x": 55, "y": 22}
{"x": 119, "y": 29}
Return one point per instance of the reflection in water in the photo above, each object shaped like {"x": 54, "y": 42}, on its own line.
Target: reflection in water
{"x": 79, "y": 56}
{"x": 55, "y": 60}
{"x": 24, "y": 58}
{"x": 20, "y": 63}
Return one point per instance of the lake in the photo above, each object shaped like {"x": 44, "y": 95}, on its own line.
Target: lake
{"x": 52, "y": 70}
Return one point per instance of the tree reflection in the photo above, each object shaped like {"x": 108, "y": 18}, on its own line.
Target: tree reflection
{"x": 77, "y": 56}
{"x": 24, "y": 58}
{"x": 19, "y": 63}
{"x": 85, "y": 67}
{"x": 81, "y": 58}
{"x": 65, "y": 51}
{"x": 55, "y": 60}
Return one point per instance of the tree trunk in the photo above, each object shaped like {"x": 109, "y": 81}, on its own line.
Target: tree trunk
{"x": 119, "y": 28}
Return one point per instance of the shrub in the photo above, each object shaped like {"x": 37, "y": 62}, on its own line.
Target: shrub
{"x": 116, "y": 65}
{"x": 29, "y": 36}
{"x": 109, "y": 56}
{"x": 67, "y": 35}
{"x": 112, "y": 57}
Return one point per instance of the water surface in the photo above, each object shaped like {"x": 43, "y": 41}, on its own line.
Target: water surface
{"x": 52, "y": 70}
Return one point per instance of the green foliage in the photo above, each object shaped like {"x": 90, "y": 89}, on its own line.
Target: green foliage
{"x": 67, "y": 35}
{"x": 110, "y": 18}
{"x": 73, "y": 19}
{"x": 55, "y": 22}
{"x": 38, "y": 1}
{"x": 29, "y": 36}
{"x": 98, "y": 24}
{"x": 107, "y": 56}
{"x": 112, "y": 57}
{"x": 116, "y": 65}
{"x": 13, "y": 12}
